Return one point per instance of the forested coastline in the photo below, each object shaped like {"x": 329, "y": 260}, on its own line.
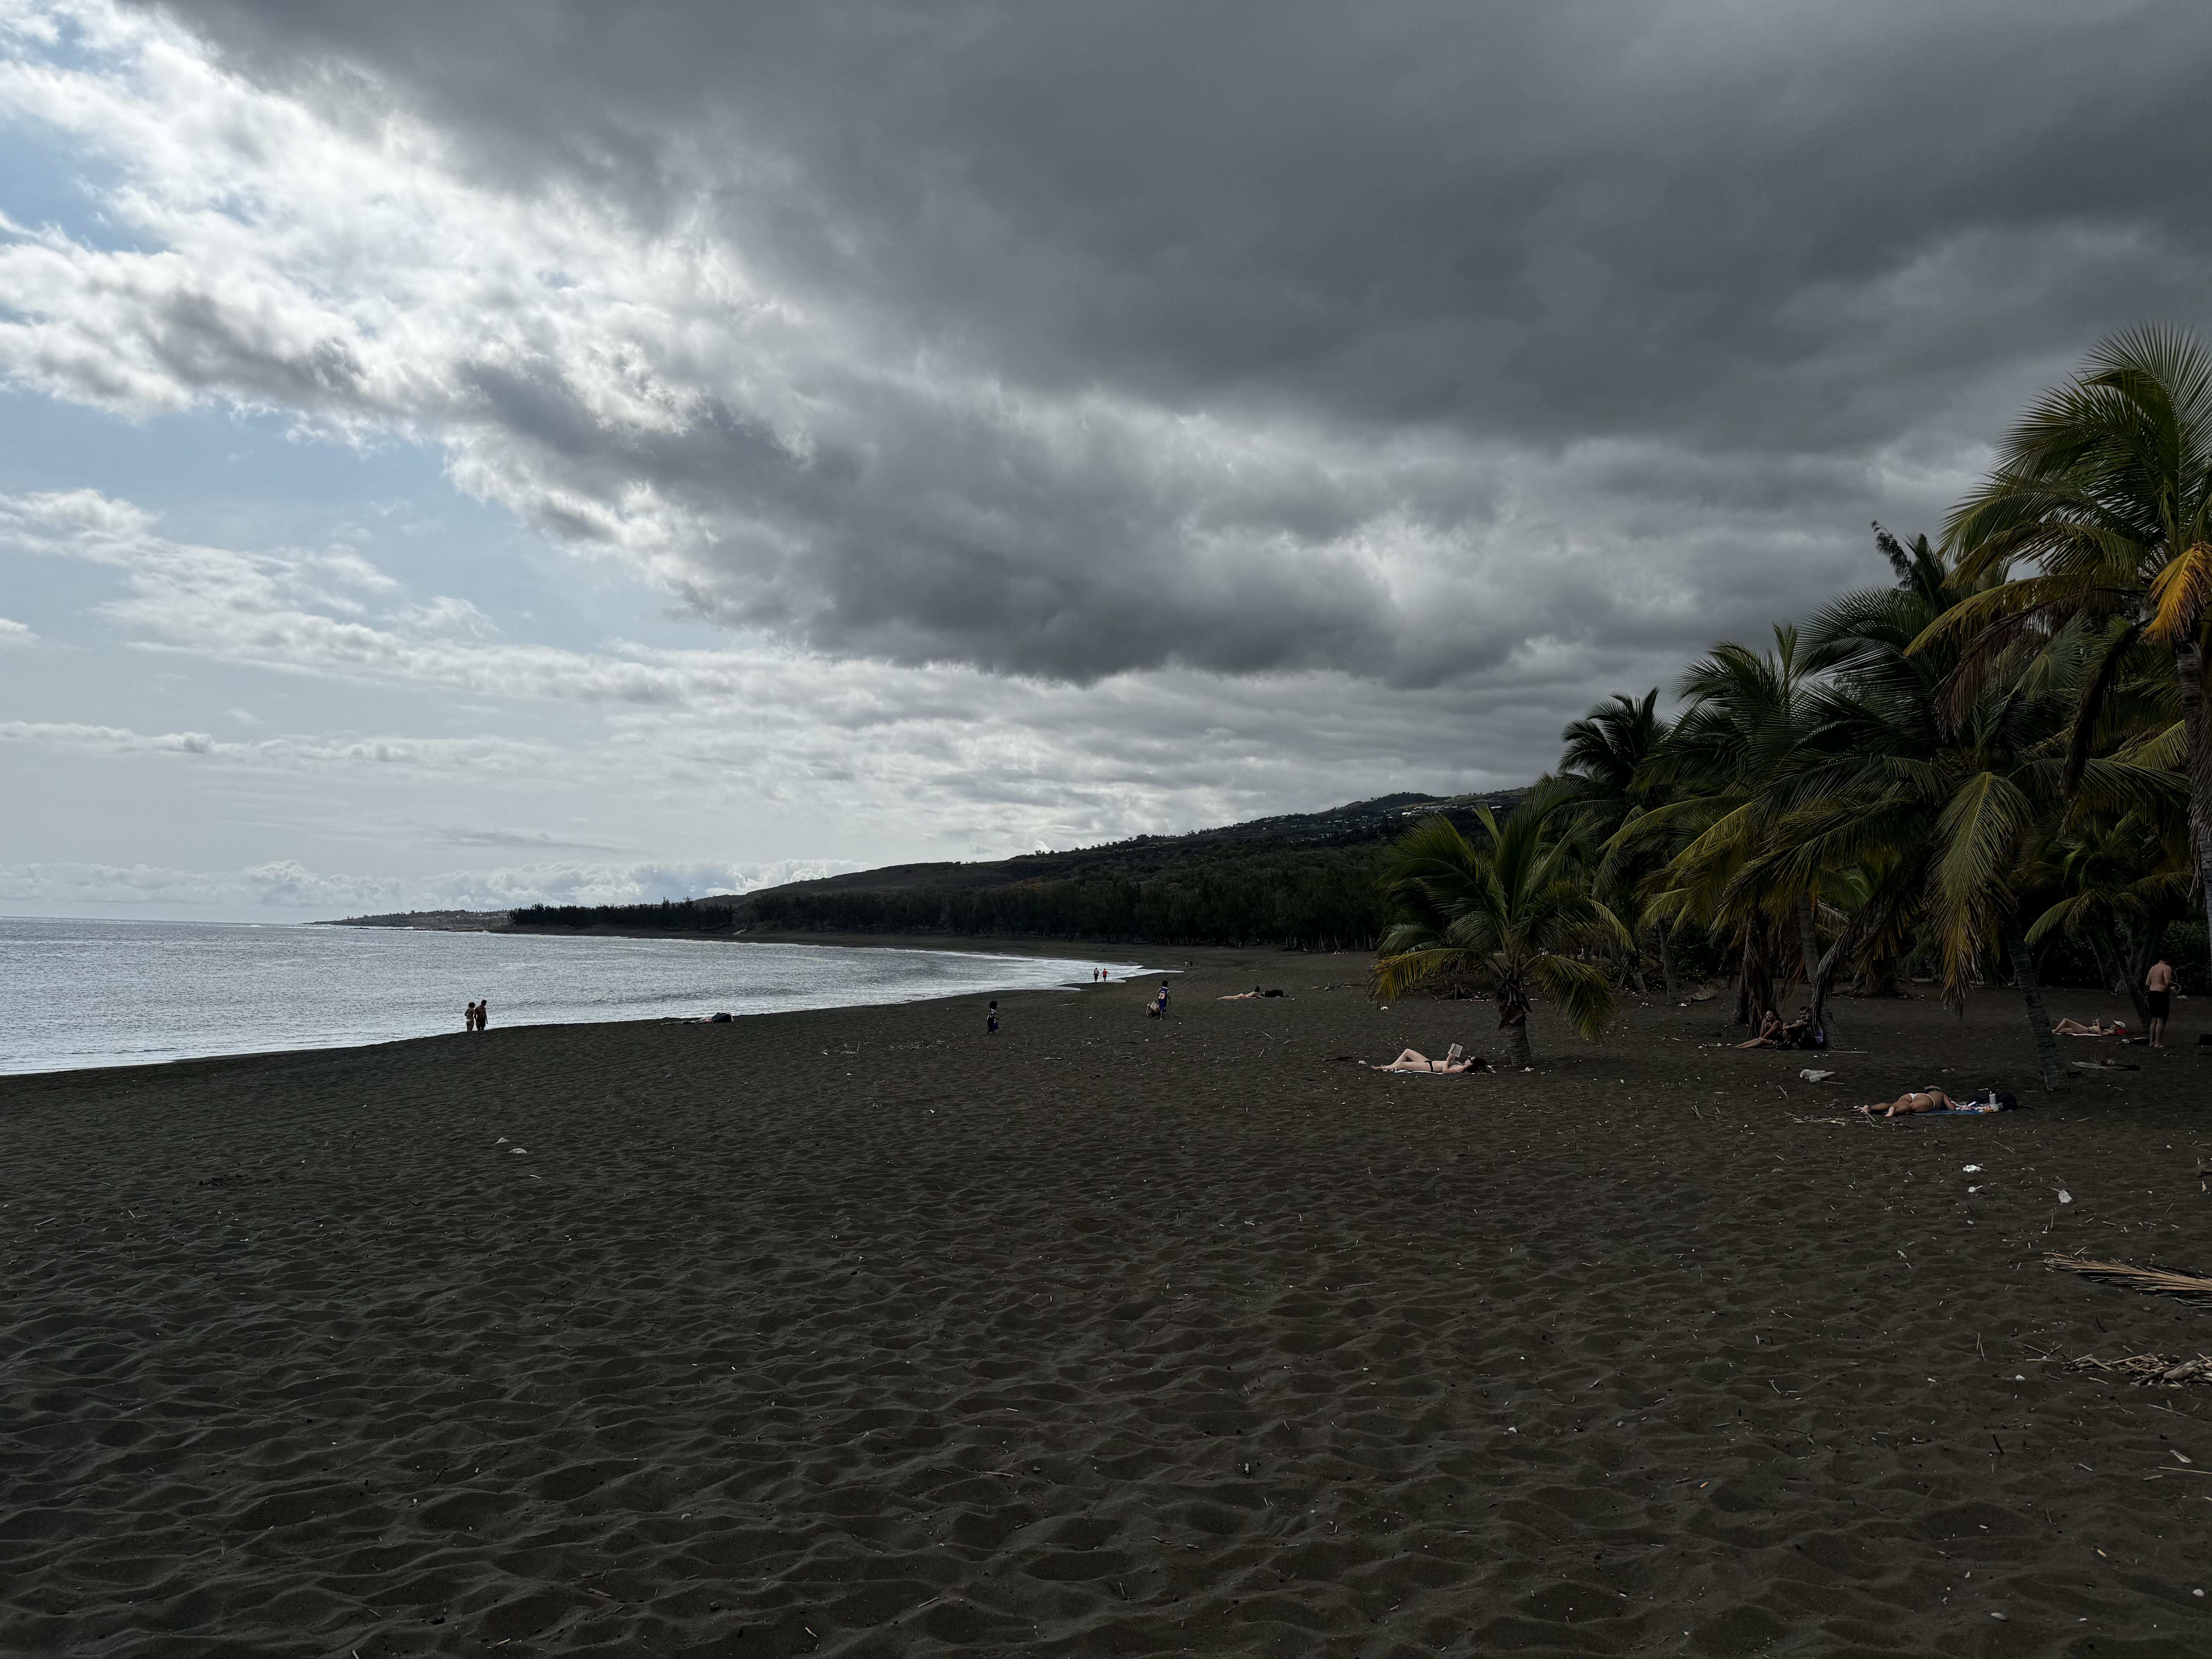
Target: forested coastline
{"x": 1993, "y": 769}
{"x": 1323, "y": 900}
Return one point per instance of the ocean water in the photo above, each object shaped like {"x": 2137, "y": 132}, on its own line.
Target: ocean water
{"x": 74, "y": 993}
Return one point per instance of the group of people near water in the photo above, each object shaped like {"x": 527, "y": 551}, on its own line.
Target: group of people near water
{"x": 478, "y": 1016}
{"x": 1156, "y": 1009}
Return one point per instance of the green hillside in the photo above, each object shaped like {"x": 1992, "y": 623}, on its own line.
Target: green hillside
{"x": 1305, "y": 879}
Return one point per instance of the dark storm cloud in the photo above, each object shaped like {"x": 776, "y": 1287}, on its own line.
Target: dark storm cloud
{"x": 1409, "y": 340}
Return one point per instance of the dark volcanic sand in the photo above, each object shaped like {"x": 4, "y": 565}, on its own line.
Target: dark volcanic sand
{"x": 1100, "y": 1337}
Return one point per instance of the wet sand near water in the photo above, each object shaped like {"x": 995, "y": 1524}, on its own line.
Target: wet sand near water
{"x": 855, "y": 1332}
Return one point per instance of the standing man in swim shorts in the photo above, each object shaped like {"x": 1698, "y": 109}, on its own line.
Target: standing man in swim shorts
{"x": 2158, "y": 982}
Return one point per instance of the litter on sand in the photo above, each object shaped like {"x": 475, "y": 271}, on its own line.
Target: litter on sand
{"x": 1812, "y": 1075}
{"x": 2150, "y": 1369}
{"x": 2156, "y": 1279}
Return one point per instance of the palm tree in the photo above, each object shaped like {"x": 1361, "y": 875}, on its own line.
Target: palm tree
{"x": 2106, "y": 486}
{"x": 1605, "y": 756}
{"x": 2130, "y": 875}
{"x": 1726, "y": 763}
{"x": 1509, "y": 911}
{"x": 1608, "y": 748}
{"x": 1952, "y": 798}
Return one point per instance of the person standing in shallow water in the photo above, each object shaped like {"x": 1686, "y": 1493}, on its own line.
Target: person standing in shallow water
{"x": 469, "y": 1018}
{"x": 483, "y": 1015}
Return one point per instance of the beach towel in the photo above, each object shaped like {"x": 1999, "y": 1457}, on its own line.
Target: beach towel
{"x": 1990, "y": 1104}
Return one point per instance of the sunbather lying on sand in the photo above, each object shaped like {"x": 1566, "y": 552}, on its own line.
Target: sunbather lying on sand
{"x": 1925, "y": 1100}
{"x": 2094, "y": 1028}
{"x": 1412, "y": 1060}
{"x": 1240, "y": 996}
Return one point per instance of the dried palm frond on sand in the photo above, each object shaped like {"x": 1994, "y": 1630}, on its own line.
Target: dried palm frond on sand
{"x": 2142, "y": 1279}
{"x": 2149, "y": 1368}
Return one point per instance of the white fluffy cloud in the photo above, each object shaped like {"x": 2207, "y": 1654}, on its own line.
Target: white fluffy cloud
{"x": 1049, "y": 761}
{"x": 747, "y": 374}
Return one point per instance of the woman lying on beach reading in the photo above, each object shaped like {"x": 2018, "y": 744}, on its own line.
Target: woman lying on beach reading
{"x": 1934, "y": 1100}
{"x": 1412, "y": 1060}
{"x": 2094, "y": 1028}
{"x": 1913, "y": 1101}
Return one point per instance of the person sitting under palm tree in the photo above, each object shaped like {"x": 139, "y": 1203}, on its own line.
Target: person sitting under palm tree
{"x": 1770, "y": 1032}
{"x": 1775, "y": 1032}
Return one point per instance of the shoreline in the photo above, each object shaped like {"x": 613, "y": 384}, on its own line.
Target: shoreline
{"x": 696, "y": 1009}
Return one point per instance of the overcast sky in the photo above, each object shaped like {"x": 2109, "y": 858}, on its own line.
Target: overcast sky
{"x": 467, "y": 455}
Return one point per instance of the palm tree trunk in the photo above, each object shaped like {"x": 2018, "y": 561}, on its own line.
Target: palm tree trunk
{"x": 2189, "y": 670}
{"x": 1808, "y": 940}
{"x": 1666, "y": 959}
{"x": 2031, "y": 993}
{"x": 1513, "y": 1020}
{"x": 2136, "y": 955}
{"x": 2134, "y": 963}
{"x": 2105, "y": 971}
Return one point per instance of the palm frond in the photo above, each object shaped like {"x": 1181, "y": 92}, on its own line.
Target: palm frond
{"x": 1582, "y": 991}
{"x": 2179, "y": 594}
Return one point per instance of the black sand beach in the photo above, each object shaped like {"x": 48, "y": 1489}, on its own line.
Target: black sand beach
{"x": 855, "y": 1332}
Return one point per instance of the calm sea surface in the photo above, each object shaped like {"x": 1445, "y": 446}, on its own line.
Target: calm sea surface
{"x": 123, "y": 993}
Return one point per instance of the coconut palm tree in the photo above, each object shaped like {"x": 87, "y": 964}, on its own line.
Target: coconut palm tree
{"x": 2106, "y": 488}
{"x": 1604, "y": 759}
{"x": 1512, "y": 910}
{"x": 1725, "y": 765}
{"x": 2126, "y": 877}
{"x": 1957, "y": 808}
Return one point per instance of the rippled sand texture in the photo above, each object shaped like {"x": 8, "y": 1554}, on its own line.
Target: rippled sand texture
{"x": 1096, "y": 1338}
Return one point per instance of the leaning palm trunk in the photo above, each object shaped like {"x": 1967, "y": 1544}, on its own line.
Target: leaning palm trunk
{"x": 1819, "y": 970}
{"x": 1666, "y": 959}
{"x": 2031, "y": 993}
{"x": 2135, "y": 962}
{"x": 2115, "y": 979}
{"x": 2189, "y": 670}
